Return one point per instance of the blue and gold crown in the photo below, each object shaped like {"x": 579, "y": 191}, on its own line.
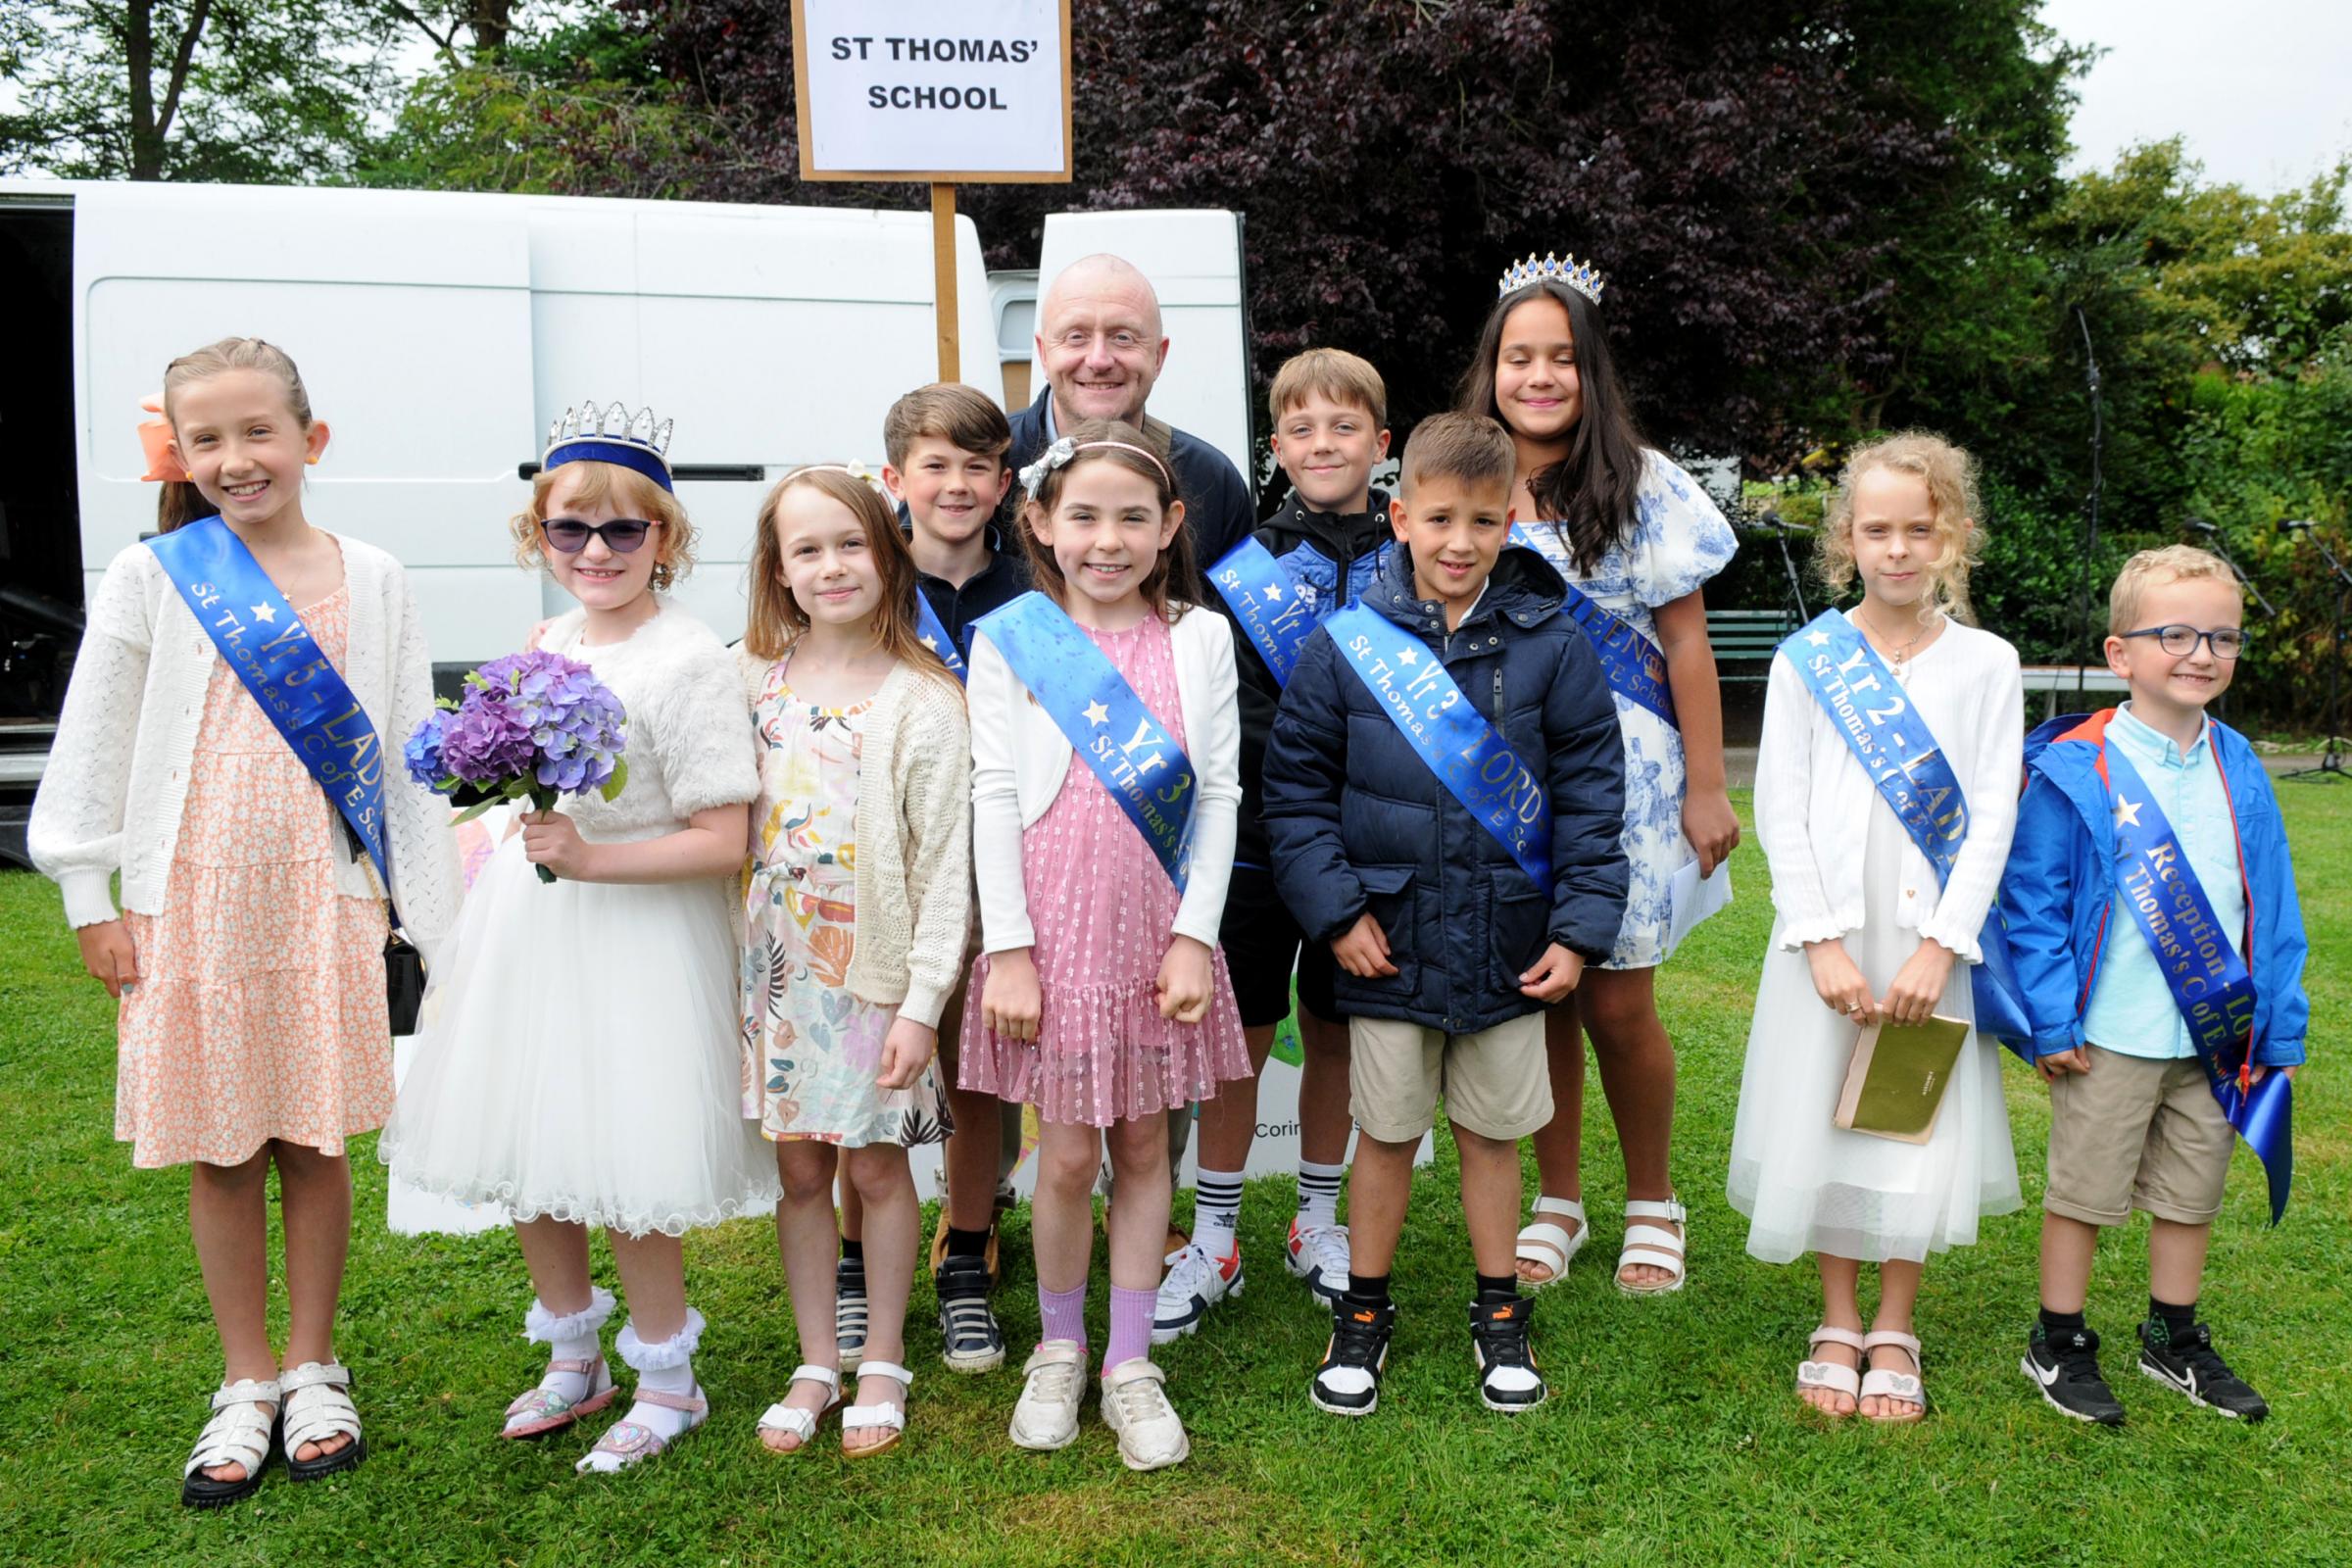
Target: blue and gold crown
{"x": 1581, "y": 277}
{"x": 614, "y": 434}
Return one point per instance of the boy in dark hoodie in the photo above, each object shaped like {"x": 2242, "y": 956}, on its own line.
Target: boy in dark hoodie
{"x": 1444, "y": 792}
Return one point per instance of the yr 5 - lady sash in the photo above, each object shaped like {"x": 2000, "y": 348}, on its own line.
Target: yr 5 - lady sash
{"x": 1274, "y": 610}
{"x": 265, "y": 642}
{"x": 1906, "y": 766}
{"x": 1474, "y": 763}
{"x": 932, "y": 632}
{"x": 1635, "y": 666}
{"x": 2210, "y": 983}
{"x": 1105, "y": 722}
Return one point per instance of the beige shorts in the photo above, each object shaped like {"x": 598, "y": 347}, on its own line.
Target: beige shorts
{"x": 1496, "y": 1082}
{"x": 2136, "y": 1132}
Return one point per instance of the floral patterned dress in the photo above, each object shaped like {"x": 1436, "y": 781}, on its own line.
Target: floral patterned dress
{"x": 1679, "y": 540}
{"x": 812, "y": 1047}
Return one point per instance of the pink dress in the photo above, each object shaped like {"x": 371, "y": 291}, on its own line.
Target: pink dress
{"x": 260, "y": 1008}
{"x": 1105, "y": 912}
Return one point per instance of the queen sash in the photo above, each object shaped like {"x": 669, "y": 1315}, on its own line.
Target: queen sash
{"x": 1276, "y": 614}
{"x": 289, "y": 676}
{"x": 1635, "y": 667}
{"x": 933, "y": 633}
{"x": 1906, "y": 766}
{"x": 1474, "y": 763}
{"x": 1104, "y": 721}
{"x": 2209, "y": 982}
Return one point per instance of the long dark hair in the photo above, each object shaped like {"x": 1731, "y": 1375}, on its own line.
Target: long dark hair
{"x": 1587, "y": 496}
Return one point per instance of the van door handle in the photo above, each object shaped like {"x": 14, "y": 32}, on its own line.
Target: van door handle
{"x": 744, "y": 472}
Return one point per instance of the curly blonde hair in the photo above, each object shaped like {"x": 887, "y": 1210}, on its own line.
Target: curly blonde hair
{"x": 626, "y": 489}
{"x": 1950, "y": 476}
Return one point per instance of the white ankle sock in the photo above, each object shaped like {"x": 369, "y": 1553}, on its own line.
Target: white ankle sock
{"x": 1319, "y": 1194}
{"x": 572, "y": 1336}
{"x": 1217, "y": 1210}
{"x": 665, "y": 1366}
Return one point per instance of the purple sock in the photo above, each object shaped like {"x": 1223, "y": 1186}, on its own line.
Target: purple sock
{"x": 1062, "y": 1315}
{"x": 1130, "y": 1325}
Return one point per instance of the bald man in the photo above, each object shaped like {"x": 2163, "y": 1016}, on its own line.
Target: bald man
{"x": 1102, "y": 347}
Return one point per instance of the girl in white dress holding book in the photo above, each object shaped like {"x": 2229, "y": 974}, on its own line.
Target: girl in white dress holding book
{"x": 1867, "y": 932}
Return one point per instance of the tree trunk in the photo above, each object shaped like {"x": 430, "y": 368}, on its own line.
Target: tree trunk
{"x": 492, "y": 21}
{"x": 138, "y": 49}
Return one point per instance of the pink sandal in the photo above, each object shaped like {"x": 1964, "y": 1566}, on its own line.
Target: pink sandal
{"x": 630, "y": 1443}
{"x": 545, "y": 1409}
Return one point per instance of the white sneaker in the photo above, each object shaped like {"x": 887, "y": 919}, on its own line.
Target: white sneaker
{"x": 1318, "y": 1255}
{"x": 1046, "y": 1415}
{"x": 1195, "y": 1283}
{"x": 1136, "y": 1406}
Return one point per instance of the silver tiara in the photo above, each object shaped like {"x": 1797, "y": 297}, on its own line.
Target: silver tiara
{"x": 1581, "y": 277}
{"x": 587, "y": 422}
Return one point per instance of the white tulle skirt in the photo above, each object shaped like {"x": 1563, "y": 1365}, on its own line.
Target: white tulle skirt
{"x": 1808, "y": 1187}
{"x": 580, "y": 1058}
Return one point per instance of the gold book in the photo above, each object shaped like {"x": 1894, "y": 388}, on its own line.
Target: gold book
{"x": 1896, "y": 1083}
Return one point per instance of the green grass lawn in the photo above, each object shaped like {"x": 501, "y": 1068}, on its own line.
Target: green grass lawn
{"x": 1671, "y": 1434}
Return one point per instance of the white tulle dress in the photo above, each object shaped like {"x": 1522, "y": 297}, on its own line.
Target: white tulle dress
{"x": 581, "y": 1055}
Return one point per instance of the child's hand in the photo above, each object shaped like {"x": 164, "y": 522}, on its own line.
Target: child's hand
{"x": 1185, "y": 981}
{"x": 1364, "y": 951}
{"x": 1919, "y": 984}
{"x": 1010, "y": 1002}
{"x": 1554, "y": 975}
{"x": 107, "y": 952}
{"x": 1711, "y": 826}
{"x": 552, "y": 840}
{"x": 905, "y": 1051}
{"x": 1837, "y": 981}
{"x": 2257, "y": 1073}
{"x": 530, "y": 644}
{"x": 2060, "y": 1062}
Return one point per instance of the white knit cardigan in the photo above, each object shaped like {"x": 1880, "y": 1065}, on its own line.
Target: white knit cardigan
{"x": 116, "y": 779}
{"x": 913, "y": 832}
{"x": 1813, "y": 799}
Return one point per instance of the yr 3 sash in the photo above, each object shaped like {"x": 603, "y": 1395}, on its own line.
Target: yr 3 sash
{"x": 1105, "y": 722}
{"x": 289, "y": 676}
{"x": 1274, "y": 610}
{"x": 934, "y": 635}
{"x": 1909, "y": 770}
{"x": 1634, "y": 664}
{"x": 1474, "y": 763}
{"x": 2210, "y": 983}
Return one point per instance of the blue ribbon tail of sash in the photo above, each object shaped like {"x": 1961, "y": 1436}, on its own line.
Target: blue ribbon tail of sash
{"x": 2264, "y": 1116}
{"x": 1992, "y": 982}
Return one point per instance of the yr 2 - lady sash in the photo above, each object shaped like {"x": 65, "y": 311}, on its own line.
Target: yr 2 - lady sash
{"x": 1277, "y": 615}
{"x": 1474, "y": 763}
{"x": 287, "y": 673}
{"x": 2210, "y": 983}
{"x": 1105, "y": 722}
{"x": 1635, "y": 666}
{"x": 1908, "y": 769}
{"x": 933, "y": 633}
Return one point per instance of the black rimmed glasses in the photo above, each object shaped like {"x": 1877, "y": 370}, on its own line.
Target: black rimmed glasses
{"x": 623, "y": 535}
{"x": 2227, "y": 642}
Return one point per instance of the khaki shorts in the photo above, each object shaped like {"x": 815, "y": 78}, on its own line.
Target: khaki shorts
{"x": 2136, "y": 1132}
{"x": 1496, "y": 1083}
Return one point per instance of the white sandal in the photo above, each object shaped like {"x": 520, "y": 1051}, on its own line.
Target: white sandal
{"x": 241, "y": 1432}
{"x": 1836, "y": 1379}
{"x": 1653, "y": 1246}
{"x": 797, "y": 1422}
{"x": 1549, "y": 1245}
{"x": 318, "y": 1407}
{"x": 868, "y": 1417}
{"x": 1904, "y": 1386}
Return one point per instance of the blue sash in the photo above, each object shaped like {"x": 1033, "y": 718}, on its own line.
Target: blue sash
{"x": 1278, "y": 615}
{"x": 1083, "y": 691}
{"x": 935, "y": 636}
{"x": 2210, "y": 983}
{"x": 262, "y": 639}
{"x": 1476, "y": 764}
{"x": 1908, "y": 769}
{"x": 1634, "y": 664}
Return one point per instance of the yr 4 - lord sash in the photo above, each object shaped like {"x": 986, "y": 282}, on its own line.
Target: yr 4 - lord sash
{"x": 934, "y": 635}
{"x": 288, "y": 675}
{"x": 1909, "y": 770}
{"x": 2210, "y": 983}
{"x": 1274, "y": 608}
{"x": 1474, "y": 763}
{"x": 1105, "y": 722}
{"x": 1635, "y": 666}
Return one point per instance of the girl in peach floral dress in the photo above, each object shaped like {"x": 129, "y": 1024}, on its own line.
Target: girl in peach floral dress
{"x": 249, "y": 954}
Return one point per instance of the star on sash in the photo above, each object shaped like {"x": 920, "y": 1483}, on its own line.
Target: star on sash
{"x": 2127, "y": 812}
{"x": 1408, "y": 656}
{"x": 1097, "y": 713}
{"x": 1818, "y": 639}
{"x": 1273, "y": 592}
{"x": 929, "y": 640}
{"x": 265, "y": 612}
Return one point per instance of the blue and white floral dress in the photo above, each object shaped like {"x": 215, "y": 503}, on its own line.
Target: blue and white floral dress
{"x": 1680, "y": 539}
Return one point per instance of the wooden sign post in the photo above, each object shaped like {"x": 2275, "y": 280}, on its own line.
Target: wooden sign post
{"x": 937, "y": 92}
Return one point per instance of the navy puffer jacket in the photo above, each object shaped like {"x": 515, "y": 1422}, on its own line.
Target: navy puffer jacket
{"x": 1359, "y": 821}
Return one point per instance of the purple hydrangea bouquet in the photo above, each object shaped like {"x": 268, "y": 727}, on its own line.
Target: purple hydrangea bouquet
{"x": 529, "y": 726}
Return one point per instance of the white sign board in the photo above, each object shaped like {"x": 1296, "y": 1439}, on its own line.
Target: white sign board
{"x": 951, "y": 91}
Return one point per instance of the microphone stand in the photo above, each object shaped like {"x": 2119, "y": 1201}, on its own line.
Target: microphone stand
{"x": 2331, "y": 766}
{"x": 1780, "y": 532}
{"x": 2209, "y": 539}
{"x": 2090, "y": 543}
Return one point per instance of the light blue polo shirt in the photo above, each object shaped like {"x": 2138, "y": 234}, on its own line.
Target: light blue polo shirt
{"x": 2132, "y": 1011}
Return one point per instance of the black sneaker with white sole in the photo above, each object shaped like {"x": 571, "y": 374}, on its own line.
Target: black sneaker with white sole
{"x": 848, "y": 1311}
{"x": 1507, "y": 1379}
{"x": 969, "y": 1339}
{"x": 2065, "y": 1367}
{"x": 2190, "y": 1364}
{"x": 1347, "y": 1382}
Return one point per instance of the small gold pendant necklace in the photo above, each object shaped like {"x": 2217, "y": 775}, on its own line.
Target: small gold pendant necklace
{"x": 1896, "y": 656}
